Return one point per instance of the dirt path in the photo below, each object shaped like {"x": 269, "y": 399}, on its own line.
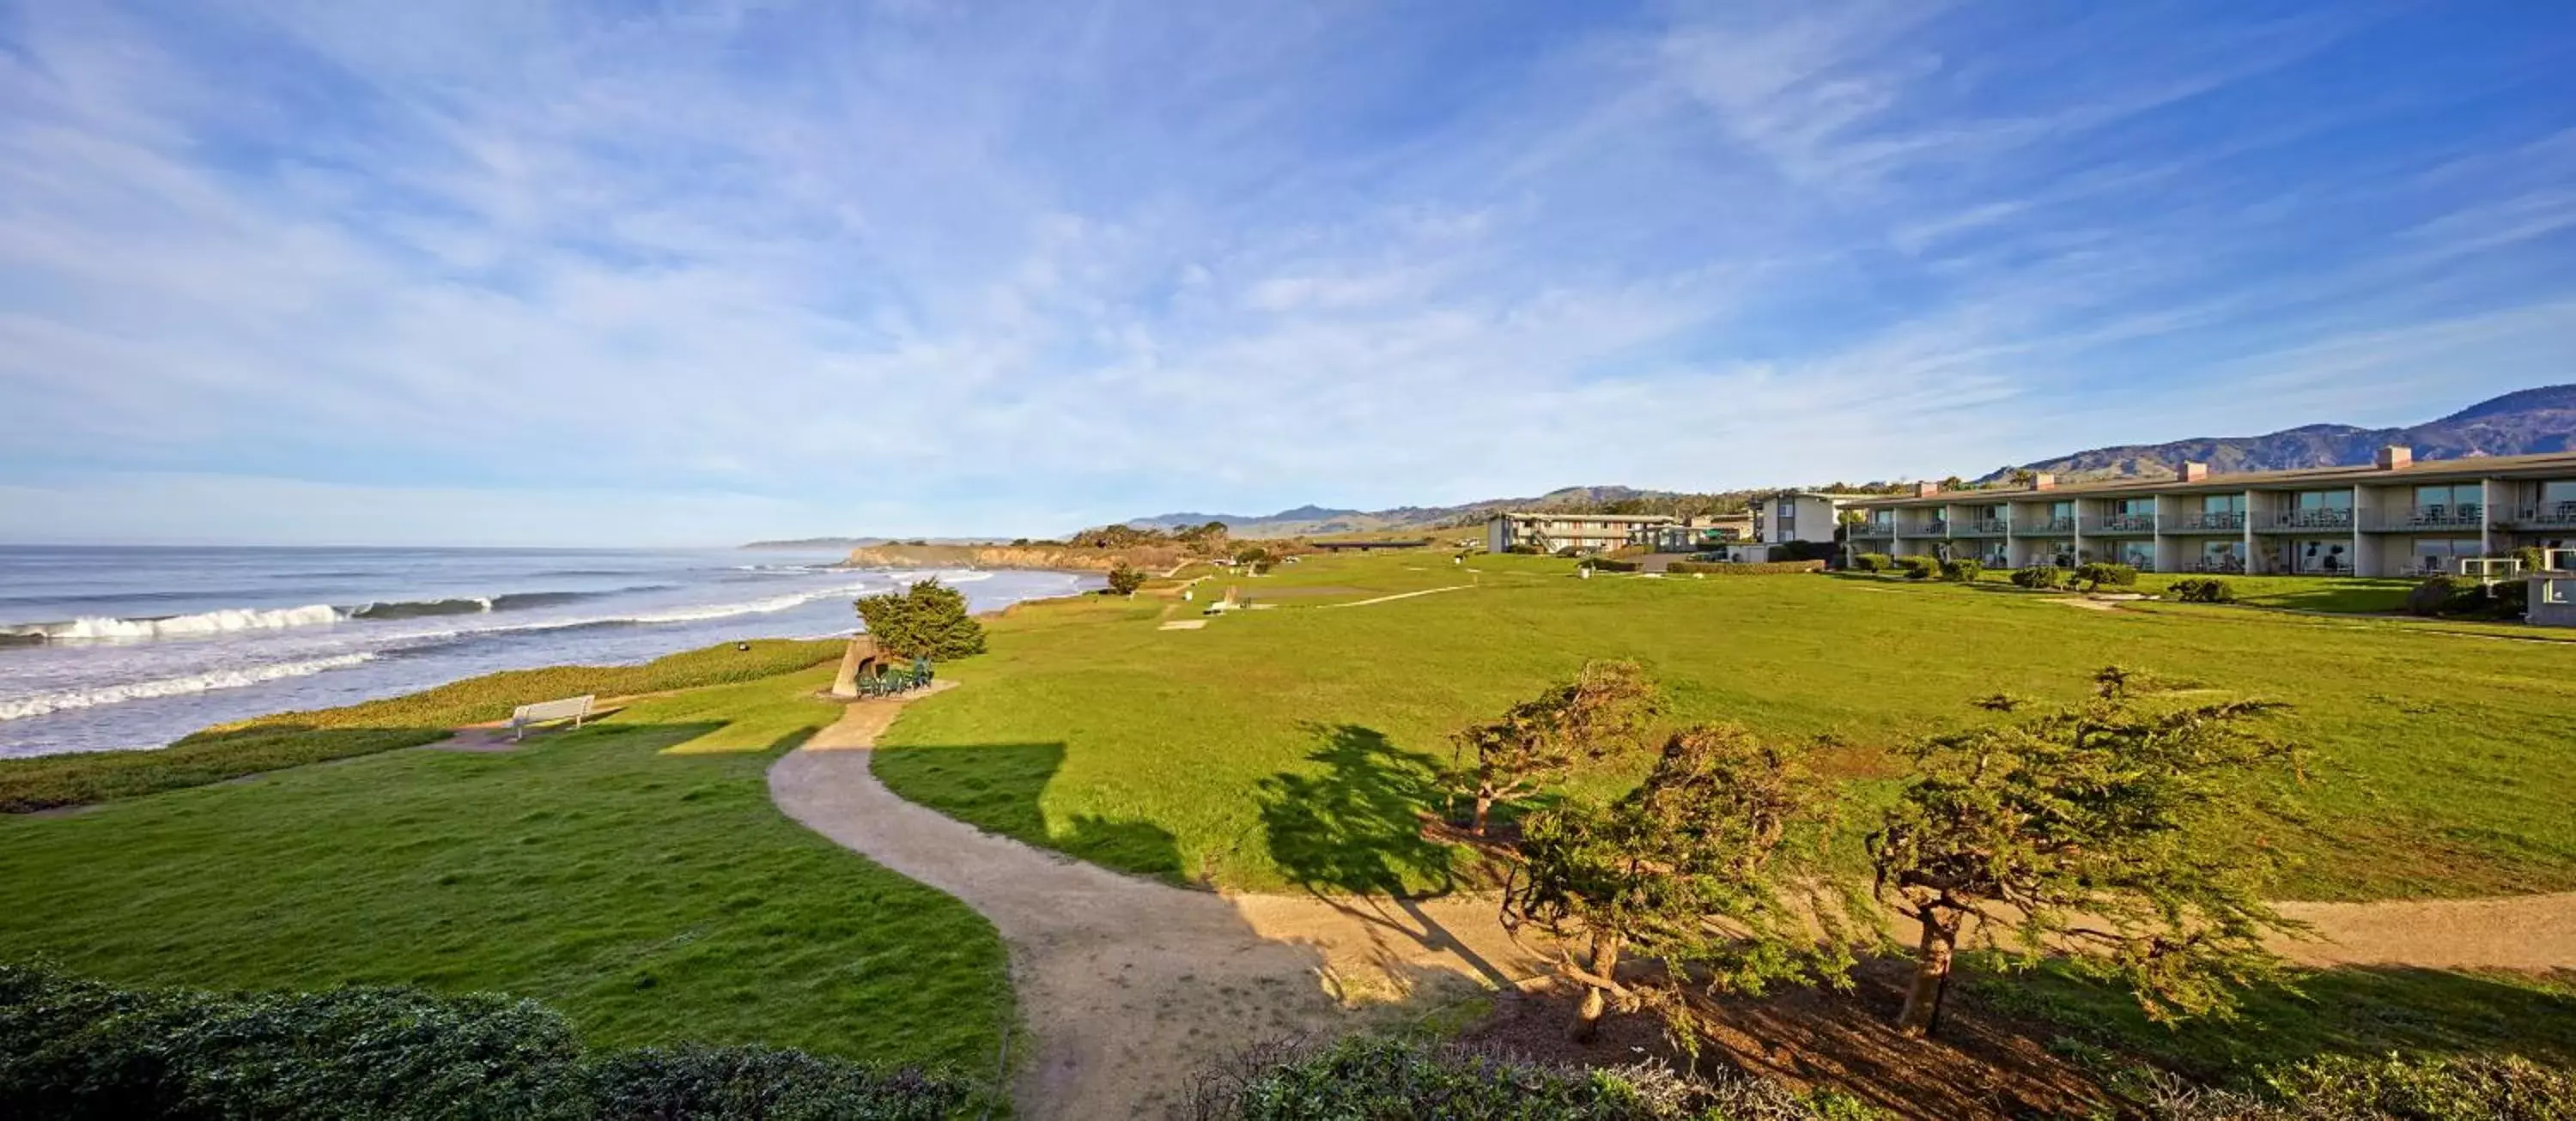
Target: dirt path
{"x": 1127, "y": 985}
{"x": 1402, "y": 595}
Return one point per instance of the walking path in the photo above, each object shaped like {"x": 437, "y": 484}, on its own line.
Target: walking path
{"x": 1127, "y": 985}
{"x": 1403, "y": 595}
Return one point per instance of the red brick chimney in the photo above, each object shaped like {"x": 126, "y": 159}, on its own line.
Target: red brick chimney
{"x": 2191, "y": 472}
{"x": 2394, "y": 457}
{"x": 1926, "y": 490}
{"x": 2043, "y": 481}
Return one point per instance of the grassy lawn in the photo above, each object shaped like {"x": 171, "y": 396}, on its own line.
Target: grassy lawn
{"x": 632, "y": 874}
{"x": 1291, "y": 747}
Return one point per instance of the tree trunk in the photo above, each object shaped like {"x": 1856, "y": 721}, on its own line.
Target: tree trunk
{"x": 1931, "y": 972}
{"x": 1484, "y": 806}
{"x": 1596, "y": 1000}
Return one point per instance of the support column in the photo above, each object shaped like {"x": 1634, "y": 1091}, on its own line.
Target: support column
{"x": 2488, "y": 489}
{"x": 2364, "y": 563}
{"x": 2078, "y": 546}
{"x": 2252, "y": 566}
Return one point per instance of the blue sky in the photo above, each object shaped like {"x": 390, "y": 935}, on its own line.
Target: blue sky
{"x": 487, "y": 271}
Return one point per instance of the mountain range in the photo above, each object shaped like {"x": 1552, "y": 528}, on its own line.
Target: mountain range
{"x": 2524, "y": 422}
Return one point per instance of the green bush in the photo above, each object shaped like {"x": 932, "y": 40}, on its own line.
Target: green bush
{"x": 928, "y": 620}
{"x": 1766, "y": 568}
{"x": 2095, "y": 575}
{"x": 74, "y": 1048}
{"x": 1962, "y": 571}
{"x": 2202, "y": 589}
{"x": 1788, "y": 551}
{"x": 2382, "y": 1088}
{"x": 2039, "y": 576}
{"x": 1612, "y": 564}
{"x": 1124, "y": 580}
{"x": 2465, "y": 597}
{"x": 291, "y": 739}
{"x": 1918, "y": 567}
{"x": 1385, "y": 1078}
{"x": 1873, "y": 562}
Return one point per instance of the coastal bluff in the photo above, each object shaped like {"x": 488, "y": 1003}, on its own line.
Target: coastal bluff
{"x": 1060, "y": 558}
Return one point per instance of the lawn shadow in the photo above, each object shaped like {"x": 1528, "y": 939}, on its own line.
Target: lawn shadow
{"x": 1356, "y": 827}
{"x": 2350, "y": 1010}
{"x": 1000, "y": 787}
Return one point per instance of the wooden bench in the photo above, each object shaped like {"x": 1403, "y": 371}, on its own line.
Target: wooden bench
{"x": 569, "y": 708}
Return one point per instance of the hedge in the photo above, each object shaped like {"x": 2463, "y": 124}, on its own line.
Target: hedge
{"x": 2095, "y": 574}
{"x": 1764, "y": 568}
{"x": 1610, "y": 564}
{"x": 290, "y": 739}
{"x": 1962, "y": 571}
{"x": 2039, "y": 576}
{"x": 75, "y": 1048}
{"x": 2469, "y": 597}
{"x": 2201, "y": 589}
{"x": 1873, "y": 562}
{"x": 1365, "y": 1077}
{"x": 1919, "y": 567}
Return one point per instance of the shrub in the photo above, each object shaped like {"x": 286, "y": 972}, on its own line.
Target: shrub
{"x": 2202, "y": 590}
{"x": 1124, "y": 580}
{"x": 2095, "y": 575}
{"x": 1799, "y": 551}
{"x": 1873, "y": 562}
{"x": 1919, "y": 567}
{"x": 1962, "y": 571}
{"x": 71, "y": 1047}
{"x": 929, "y": 620}
{"x": 1782, "y": 568}
{"x": 2468, "y": 597}
{"x": 1609, "y": 564}
{"x": 1386, "y": 1078}
{"x": 2039, "y": 576}
{"x": 2419, "y": 1088}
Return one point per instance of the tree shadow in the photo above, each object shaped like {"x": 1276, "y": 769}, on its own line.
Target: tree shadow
{"x": 2349, "y": 1010}
{"x": 1356, "y": 828}
{"x": 1000, "y": 787}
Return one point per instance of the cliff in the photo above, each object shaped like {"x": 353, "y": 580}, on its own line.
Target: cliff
{"x": 1056, "y": 558}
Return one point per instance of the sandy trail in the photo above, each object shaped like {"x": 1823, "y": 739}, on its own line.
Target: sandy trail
{"x": 1128, "y": 985}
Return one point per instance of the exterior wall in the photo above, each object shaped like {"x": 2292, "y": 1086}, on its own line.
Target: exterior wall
{"x": 1498, "y": 535}
{"x": 2553, "y": 601}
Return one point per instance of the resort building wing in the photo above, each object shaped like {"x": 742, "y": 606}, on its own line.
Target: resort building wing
{"x": 2394, "y": 517}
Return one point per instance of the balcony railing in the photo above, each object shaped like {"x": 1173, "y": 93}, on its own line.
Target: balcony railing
{"x": 2206, "y": 521}
{"x": 1928, "y": 527}
{"x": 1874, "y": 529}
{"x": 2121, "y": 523}
{"x": 2289, "y": 521}
{"x": 2222, "y": 565}
{"x": 2465, "y": 515}
{"x": 2550, "y": 515}
{"x": 2047, "y": 525}
{"x": 1983, "y": 527}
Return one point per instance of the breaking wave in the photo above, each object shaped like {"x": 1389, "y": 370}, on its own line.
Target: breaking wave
{"x": 38, "y": 705}
{"x": 179, "y": 626}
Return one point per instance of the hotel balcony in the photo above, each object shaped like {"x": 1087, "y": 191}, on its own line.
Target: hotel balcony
{"x": 2206, "y": 521}
{"x": 2554, "y": 515}
{"x": 2467, "y": 516}
{"x": 1928, "y": 527}
{"x": 2121, "y": 523}
{"x": 2304, "y": 521}
{"x": 1874, "y": 530}
{"x": 2036, "y": 527}
{"x": 1982, "y": 527}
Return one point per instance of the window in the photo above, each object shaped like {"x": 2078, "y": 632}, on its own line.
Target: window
{"x": 2322, "y": 557}
{"x": 2133, "y": 506}
{"x": 2443, "y": 554}
{"x": 2325, "y": 500}
{"x": 2222, "y": 504}
{"x": 2556, "y": 491}
{"x": 2061, "y": 509}
{"x": 2138, "y": 555}
{"x": 2462, "y": 495}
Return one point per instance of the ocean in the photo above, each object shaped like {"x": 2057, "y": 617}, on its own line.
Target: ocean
{"x": 112, "y": 648}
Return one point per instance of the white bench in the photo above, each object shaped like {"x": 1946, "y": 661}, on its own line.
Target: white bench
{"x": 569, "y": 708}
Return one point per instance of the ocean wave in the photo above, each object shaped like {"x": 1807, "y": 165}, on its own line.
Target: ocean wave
{"x": 20, "y": 708}
{"x": 226, "y": 621}
{"x": 421, "y": 608}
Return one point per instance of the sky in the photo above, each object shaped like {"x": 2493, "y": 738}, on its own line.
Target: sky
{"x": 531, "y": 272}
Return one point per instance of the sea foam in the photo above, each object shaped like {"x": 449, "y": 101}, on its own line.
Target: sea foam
{"x": 20, "y": 708}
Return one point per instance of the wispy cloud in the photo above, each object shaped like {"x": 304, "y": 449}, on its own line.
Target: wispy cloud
{"x": 754, "y": 268}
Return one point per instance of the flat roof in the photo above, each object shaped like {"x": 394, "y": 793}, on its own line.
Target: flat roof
{"x": 2421, "y": 471}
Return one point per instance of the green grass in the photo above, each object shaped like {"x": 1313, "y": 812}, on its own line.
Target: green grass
{"x": 1292, "y": 747}
{"x": 291, "y": 739}
{"x": 633, "y": 874}
{"x": 2355, "y": 1011}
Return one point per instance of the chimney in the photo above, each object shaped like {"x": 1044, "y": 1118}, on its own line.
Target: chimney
{"x": 2393, "y": 457}
{"x": 2043, "y": 481}
{"x": 1926, "y": 490}
{"x": 2191, "y": 472}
